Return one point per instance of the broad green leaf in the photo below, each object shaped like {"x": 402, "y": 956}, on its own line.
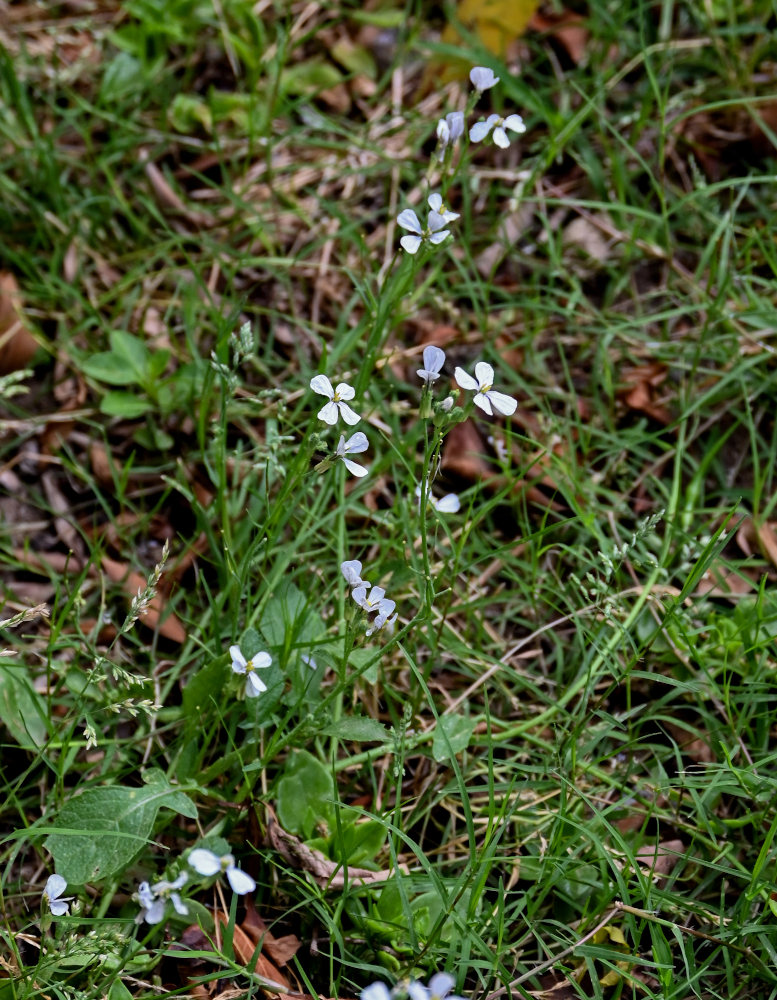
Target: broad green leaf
{"x": 358, "y": 842}
{"x": 124, "y": 404}
{"x": 305, "y": 794}
{"x": 99, "y": 832}
{"x": 288, "y": 620}
{"x": 22, "y": 709}
{"x": 207, "y": 685}
{"x": 310, "y": 76}
{"x": 133, "y": 352}
{"x": 107, "y": 367}
{"x": 358, "y": 730}
{"x": 451, "y": 735}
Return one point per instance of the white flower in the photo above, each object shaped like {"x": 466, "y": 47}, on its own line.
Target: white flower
{"x": 240, "y": 665}
{"x": 434, "y": 233}
{"x": 376, "y": 600}
{"x": 481, "y": 129}
{"x": 482, "y": 78}
{"x": 376, "y": 991}
{"x": 381, "y": 621}
{"x": 449, "y": 504}
{"x": 449, "y": 130}
{"x": 439, "y": 988}
{"x": 486, "y": 397}
{"x": 352, "y": 571}
{"x": 55, "y": 886}
{"x": 205, "y": 862}
{"x": 329, "y": 413}
{"x": 437, "y": 205}
{"x": 153, "y": 899}
{"x": 355, "y": 444}
{"x": 434, "y": 359}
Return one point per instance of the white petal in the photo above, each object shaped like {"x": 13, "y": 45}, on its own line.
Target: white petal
{"x": 427, "y": 376}
{"x": 482, "y": 401}
{"x": 375, "y": 991}
{"x": 145, "y": 896}
{"x": 500, "y": 137}
{"x": 502, "y": 403}
{"x": 360, "y": 596}
{"x": 204, "y": 862}
{"x": 386, "y": 607}
{"x": 322, "y": 385}
{"x": 436, "y": 238}
{"x": 354, "y": 469}
{"x": 455, "y": 122}
{"x": 435, "y": 202}
{"x": 155, "y": 913}
{"x": 443, "y": 132}
{"x": 436, "y": 221}
{"x": 328, "y": 413}
{"x": 341, "y": 446}
{"x": 515, "y": 122}
{"x": 238, "y": 660}
{"x": 417, "y": 991}
{"x": 240, "y": 881}
{"x": 58, "y": 907}
{"x": 352, "y": 571}
{"x": 345, "y": 391}
{"x": 261, "y": 660}
{"x": 55, "y": 886}
{"x": 482, "y": 78}
{"x": 348, "y": 415}
{"x": 410, "y": 243}
{"x": 356, "y": 444}
{"x": 441, "y": 984}
{"x": 254, "y": 686}
{"x": 479, "y": 131}
{"x": 434, "y": 358}
{"x": 449, "y": 504}
{"x": 409, "y": 220}
{"x": 464, "y": 380}
{"x": 180, "y": 906}
{"x": 484, "y": 373}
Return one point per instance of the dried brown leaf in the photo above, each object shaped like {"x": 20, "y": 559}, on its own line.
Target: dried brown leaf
{"x": 17, "y": 344}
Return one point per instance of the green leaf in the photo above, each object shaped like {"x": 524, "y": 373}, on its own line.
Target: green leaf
{"x": 451, "y": 735}
{"x": 22, "y": 709}
{"x": 359, "y": 730}
{"x": 287, "y": 620}
{"x": 124, "y": 404}
{"x": 133, "y": 352}
{"x": 99, "y": 832}
{"x": 358, "y": 842}
{"x": 177, "y": 800}
{"x": 118, "y": 991}
{"x": 305, "y": 794}
{"x": 107, "y": 367}
{"x": 206, "y": 685}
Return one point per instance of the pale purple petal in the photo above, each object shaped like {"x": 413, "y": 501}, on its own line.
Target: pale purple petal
{"x": 240, "y": 881}
{"x": 436, "y": 221}
{"x": 502, "y": 403}
{"x": 482, "y": 78}
{"x": 449, "y": 504}
{"x": 417, "y": 991}
{"x": 434, "y": 358}
{"x": 356, "y": 444}
{"x": 436, "y": 238}
{"x": 409, "y": 220}
{"x": 515, "y": 122}
{"x": 441, "y": 984}
{"x": 410, "y": 243}
{"x": 435, "y": 202}
{"x": 464, "y": 380}
{"x": 322, "y": 385}
{"x": 238, "y": 660}
{"x": 376, "y": 991}
{"x": 455, "y": 122}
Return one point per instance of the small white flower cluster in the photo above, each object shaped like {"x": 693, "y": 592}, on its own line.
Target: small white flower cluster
{"x": 483, "y": 79}
{"x": 439, "y": 988}
{"x": 434, "y": 232}
{"x": 372, "y": 599}
{"x": 153, "y": 898}
{"x": 338, "y": 407}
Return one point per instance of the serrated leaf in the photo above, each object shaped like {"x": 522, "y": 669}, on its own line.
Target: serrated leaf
{"x": 451, "y": 735}
{"x": 99, "y": 832}
{"x": 358, "y": 730}
{"x": 305, "y": 794}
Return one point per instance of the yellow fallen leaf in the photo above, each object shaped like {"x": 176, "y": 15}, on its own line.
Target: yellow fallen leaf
{"x": 495, "y": 22}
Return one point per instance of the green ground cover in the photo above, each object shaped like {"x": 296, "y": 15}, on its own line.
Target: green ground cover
{"x": 552, "y": 774}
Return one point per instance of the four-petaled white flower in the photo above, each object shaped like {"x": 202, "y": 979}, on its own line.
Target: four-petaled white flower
{"x": 153, "y": 899}
{"x": 449, "y": 504}
{"x": 487, "y": 399}
{"x": 449, "y": 130}
{"x": 52, "y": 893}
{"x": 376, "y": 600}
{"x": 336, "y": 404}
{"x": 481, "y": 129}
{"x": 381, "y": 621}
{"x": 355, "y": 445}
{"x": 240, "y": 665}
{"x": 434, "y": 359}
{"x": 352, "y": 571}
{"x": 205, "y": 862}
{"x": 439, "y": 988}
{"x": 482, "y": 78}
{"x": 435, "y": 231}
